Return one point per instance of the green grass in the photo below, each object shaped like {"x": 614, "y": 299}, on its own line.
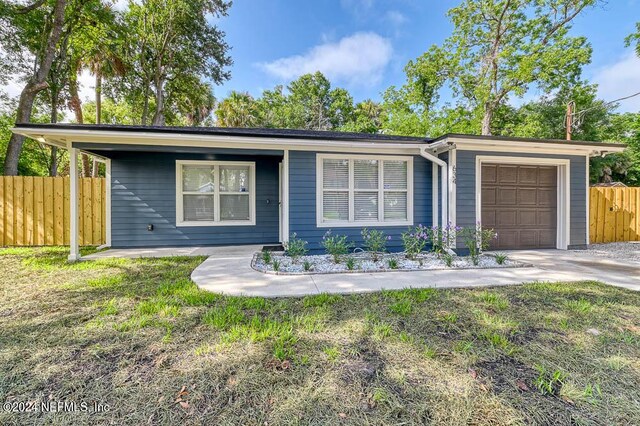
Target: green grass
{"x": 132, "y": 333}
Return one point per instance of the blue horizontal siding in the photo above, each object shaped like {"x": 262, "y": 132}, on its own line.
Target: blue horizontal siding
{"x": 143, "y": 192}
{"x": 466, "y": 190}
{"x": 302, "y": 203}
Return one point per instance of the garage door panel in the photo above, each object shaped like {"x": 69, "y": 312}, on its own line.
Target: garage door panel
{"x": 547, "y": 239}
{"x": 507, "y": 174}
{"x": 547, "y": 219}
{"x": 506, "y": 218}
{"x": 505, "y": 239}
{"x": 489, "y": 196}
{"x": 527, "y": 175}
{"x": 489, "y": 218}
{"x": 547, "y": 197}
{"x": 527, "y": 218}
{"x": 527, "y": 196}
{"x": 519, "y": 202}
{"x": 507, "y": 197}
{"x": 547, "y": 176}
{"x": 528, "y": 238}
{"x": 489, "y": 173}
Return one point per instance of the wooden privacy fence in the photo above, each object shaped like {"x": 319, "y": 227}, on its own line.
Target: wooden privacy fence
{"x": 34, "y": 211}
{"x": 614, "y": 214}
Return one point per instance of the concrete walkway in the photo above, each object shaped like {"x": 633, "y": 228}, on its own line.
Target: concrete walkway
{"x": 227, "y": 270}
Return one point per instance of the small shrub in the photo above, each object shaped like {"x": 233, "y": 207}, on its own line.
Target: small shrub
{"x": 276, "y": 265}
{"x": 477, "y": 240}
{"x": 414, "y": 241}
{"x": 350, "y": 263}
{"x": 501, "y": 258}
{"x": 392, "y": 263}
{"x": 375, "y": 242}
{"x": 447, "y": 259}
{"x": 442, "y": 238}
{"x": 336, "y": 245}
{"x": 307, "y": 266}
{"x": 266, "y": 257}
{"x": 295, "y": 247}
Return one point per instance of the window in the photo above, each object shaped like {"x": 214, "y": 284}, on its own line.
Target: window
{"x": 210, "y": 193}
{"x": 364, "y": 190}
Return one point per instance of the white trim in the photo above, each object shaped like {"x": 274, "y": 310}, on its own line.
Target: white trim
{"x": 453, "y": 164}
{"x": 62, "y": 136}
{"x": 435, "y": 210}
{"x": 588, "y": 197}
{"x": 519, "y": 146}
{"x": 216, "y": 194}
{"x": 107, "y": 203}
{"x": 563, "y": 190}
{"x": 74, "y": 252}
{"x": 351, "y": 222}
{"x": 285, "y": 196}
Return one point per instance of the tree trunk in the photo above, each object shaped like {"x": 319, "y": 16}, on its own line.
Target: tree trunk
{"x": 158, "y": 117}
{"x": 98, "y": 94}
{"x": 76, "y": 106}
{"x": 486, "y": 120}
{"x": 37, "y": 82}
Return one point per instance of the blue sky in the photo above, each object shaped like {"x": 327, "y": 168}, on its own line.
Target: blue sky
{"x": 363, "y": 45}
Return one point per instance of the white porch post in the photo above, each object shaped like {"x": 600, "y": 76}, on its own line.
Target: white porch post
{"x": 285, "y": 196}
{"x": 107, "y": 207}
{"x": 434, "y": 195}
{"x": 74, "y": 253}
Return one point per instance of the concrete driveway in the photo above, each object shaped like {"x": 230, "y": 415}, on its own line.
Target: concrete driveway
{"x": 231, "y": 273}
{"x": 583, "y": 265}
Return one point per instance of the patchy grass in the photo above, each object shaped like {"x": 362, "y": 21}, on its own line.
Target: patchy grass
{"x": 133, "y": 333}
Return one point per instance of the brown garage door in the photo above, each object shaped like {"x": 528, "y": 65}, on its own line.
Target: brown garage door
{"x": 520, "y": 203}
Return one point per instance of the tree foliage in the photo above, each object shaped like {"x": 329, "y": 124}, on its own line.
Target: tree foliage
{"x": 499, "y": 49}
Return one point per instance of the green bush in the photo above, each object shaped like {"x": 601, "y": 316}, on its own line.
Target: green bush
{"x": 414, "y": 241}
{"x": 477, "y": 239}
{"x": 375, "y": 242}
{"x": 336, "y": 245}
{"x": 295, "y": 247}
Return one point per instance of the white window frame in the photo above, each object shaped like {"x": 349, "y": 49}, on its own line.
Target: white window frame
{"x": 563, "y": 227}
{"x": 320, "y": 223}
{"x": 216, "y": 193}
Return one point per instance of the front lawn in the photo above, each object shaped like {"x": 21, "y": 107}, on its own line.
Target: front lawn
{"x": 138, "y": 336}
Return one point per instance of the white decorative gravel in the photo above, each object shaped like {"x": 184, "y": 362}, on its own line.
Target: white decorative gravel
{"x": 619, "y": 251}
{"x": 324, "y": 264}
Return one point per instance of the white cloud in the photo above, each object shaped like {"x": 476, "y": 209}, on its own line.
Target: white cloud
{"x": 620, "y": 79}
{"x": 395, "y": 18}
{"x": 357, "y": 59}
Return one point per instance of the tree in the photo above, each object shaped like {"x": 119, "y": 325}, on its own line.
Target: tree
{"x": 172, "y": 39}
{"x": 367, "y": 118}
{"x": 634, "y": 38}
{"x": 239, "y": 109}
{"x": 499, "y": 49}
{"x": 38, "y": 28}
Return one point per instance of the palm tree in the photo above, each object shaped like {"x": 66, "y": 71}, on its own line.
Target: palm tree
{"x": 239, "y": 109}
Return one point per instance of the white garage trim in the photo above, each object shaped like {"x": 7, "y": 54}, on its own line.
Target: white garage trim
{"x": 563, "y": 191}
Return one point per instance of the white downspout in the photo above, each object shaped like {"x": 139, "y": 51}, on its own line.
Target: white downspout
{"x": 443, "y": 182}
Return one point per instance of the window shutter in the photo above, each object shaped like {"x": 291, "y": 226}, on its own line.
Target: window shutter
{"x": 395, "y": 175}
